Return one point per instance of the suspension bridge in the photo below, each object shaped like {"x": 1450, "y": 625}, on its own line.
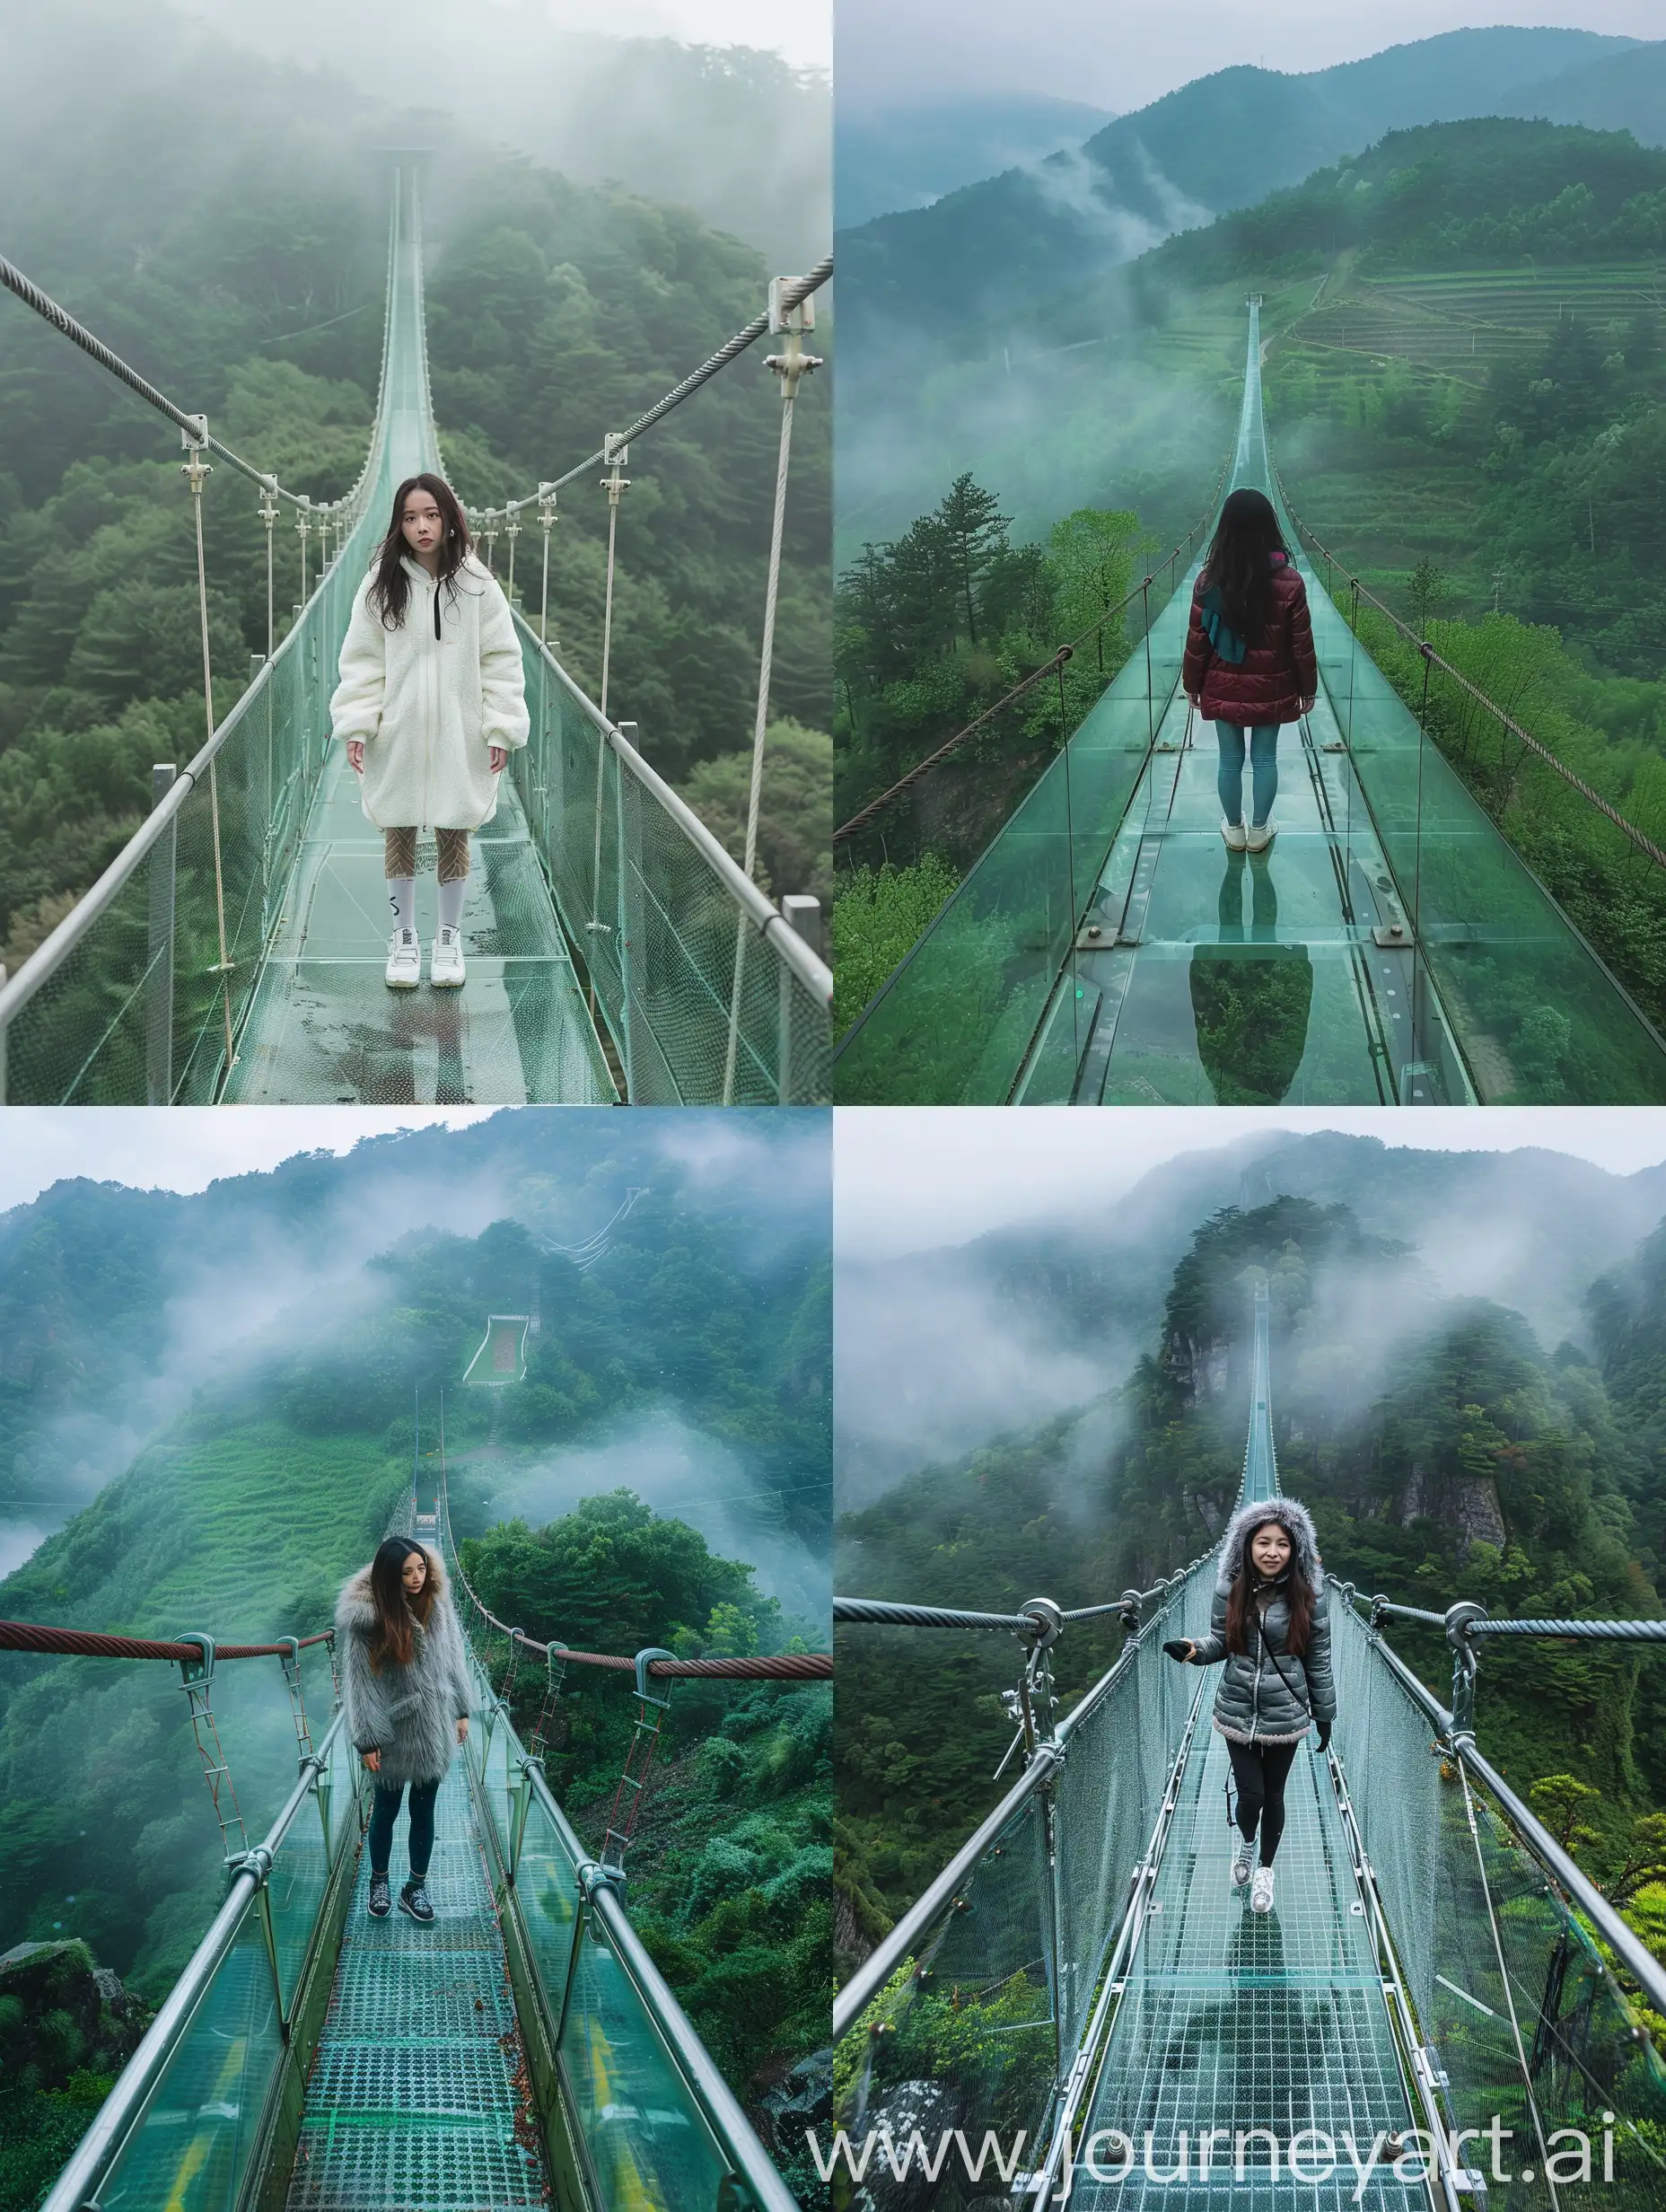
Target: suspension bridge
{"x": 1389, "y": 948}
{"x": 232, "y": 950}
{"x": 524, "y": 2050}
{"x": 1082, "y": 1980}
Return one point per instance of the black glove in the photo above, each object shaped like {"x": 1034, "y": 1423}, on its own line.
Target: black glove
{"x": 1324, "y": 1735}
{"x": 1178, "y": 1648}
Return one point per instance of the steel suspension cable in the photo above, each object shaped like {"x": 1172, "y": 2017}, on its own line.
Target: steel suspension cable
{"x": 61, "y": 320}
{"x": 92, "y": 1644}
{"x": 791, "y": 295}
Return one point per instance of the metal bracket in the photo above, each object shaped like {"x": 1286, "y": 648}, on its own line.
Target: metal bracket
{"x": 650, "y": 1652}
{"x": 595, "y": 1875}
{"x": 199, "y": 1673}
{"x": 1465, "y": 1663}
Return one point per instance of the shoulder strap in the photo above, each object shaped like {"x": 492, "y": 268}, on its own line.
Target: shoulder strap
{"x": 1301, "y": 1694}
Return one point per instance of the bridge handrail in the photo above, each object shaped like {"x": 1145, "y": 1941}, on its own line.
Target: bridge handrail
{"x": 1645, "y": 845}
{"x": 77, "y": 2185}
{"x": 93, "y": 1644}
{"x": 814, "y": 973}
{"x": 865, "y": 813}
{"x": 716, "y": 2102}
{"x": 1640, "y": 1962}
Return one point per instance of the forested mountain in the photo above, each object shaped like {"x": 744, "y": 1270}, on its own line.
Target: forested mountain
{"x": 1464, "y": 366}
{"x": 255, "y": 1360}
{"x": 1445, "y": 1447}
{"x": 907, "y": 155}
{"x": 237, "y": 257}
{"x": 1020, "y": 244}
{"x": 737, "y": 134}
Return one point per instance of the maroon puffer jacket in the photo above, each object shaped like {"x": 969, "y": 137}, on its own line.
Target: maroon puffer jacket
{"x": 1272, "y": 679}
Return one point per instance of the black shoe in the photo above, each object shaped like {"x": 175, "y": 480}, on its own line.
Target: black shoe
{"x": 380, "y": 1903}
{"x": 413, "y": 1900}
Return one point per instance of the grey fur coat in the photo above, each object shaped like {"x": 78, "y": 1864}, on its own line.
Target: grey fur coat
{"x": 1267, "y": 1694}
{"x": 410, "y": 1712}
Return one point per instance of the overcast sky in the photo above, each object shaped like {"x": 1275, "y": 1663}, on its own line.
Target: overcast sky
{"x": 188, "y": 1149}
{"x": 1122, "y": 56}
{"x": 912, "y": 1179}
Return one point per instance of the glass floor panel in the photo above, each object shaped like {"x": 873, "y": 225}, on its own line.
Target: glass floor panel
{"x": 324, "y": 1025}
{"x": 1206, "y": 976}
{"x": 411, "y": 2104}
{"x": 1232, "y": 2020}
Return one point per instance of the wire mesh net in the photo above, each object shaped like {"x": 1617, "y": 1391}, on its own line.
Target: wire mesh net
{"x": 701, "y": 1007}
{"x": 965, "y": 2034}
{"x": 1482, "y": 1932}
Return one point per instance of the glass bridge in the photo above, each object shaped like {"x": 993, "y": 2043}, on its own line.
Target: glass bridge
{"x": 1389, "y": 948}
{"x": 1082, "y": 1982}
{"x": 615, "y": 949}
{"x": 522, "y": 2049}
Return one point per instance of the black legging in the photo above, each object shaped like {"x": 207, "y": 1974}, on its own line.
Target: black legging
{"x": 383, "y": 1811}
{"x": 1260, "y": 1771}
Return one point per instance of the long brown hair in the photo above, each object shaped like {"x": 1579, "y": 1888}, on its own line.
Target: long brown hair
{"x": 1239, "y": 566}
{"x": 391, "y": 593}
{"x": 396, "y": 1608}
{"x": 1298, "y": 1595}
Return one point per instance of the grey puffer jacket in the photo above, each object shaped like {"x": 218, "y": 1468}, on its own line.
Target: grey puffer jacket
{"x": 410, "y": 1712}
{"x": 1266, "y": 1694}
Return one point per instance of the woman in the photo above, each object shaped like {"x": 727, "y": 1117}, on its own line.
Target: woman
{"x": 405, "y": 1684}
{"x": 1250, "y": 664}
{"x": 1269, "y": 1623}
{"x": 431, "y": 703}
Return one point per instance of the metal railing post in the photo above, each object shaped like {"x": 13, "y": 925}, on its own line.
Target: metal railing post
{"x": 159, "y": 985}
{"x": 631, "y": 921}
{"x": 802, "y": 915}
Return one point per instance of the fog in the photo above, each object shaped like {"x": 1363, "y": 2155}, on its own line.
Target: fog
{"x": 742, "y": 132}
{"x": 940, "y": 1350}
{"x": 677, "y": 1470}
{"x": 1049, "y": 419}
{"x": 239, "y": 1286}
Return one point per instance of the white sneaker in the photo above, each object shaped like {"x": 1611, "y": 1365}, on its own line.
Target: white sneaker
{"x": 404, "y": 968}
{"x": 446, "y": 970}
{"x": 1234, "y": 834}
{"x": 1261, "y": 1890}
{"x": 1241, "y": 1866}
{"x": 1260, "y": 835}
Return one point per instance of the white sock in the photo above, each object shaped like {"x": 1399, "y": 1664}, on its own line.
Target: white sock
{"x": 402, "y": 899}
{"x": 451, "y": 903}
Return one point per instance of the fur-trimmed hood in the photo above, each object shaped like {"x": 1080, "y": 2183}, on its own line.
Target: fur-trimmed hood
{"x": 356, "y": 1608}
{"x": 1292, "y": 1516}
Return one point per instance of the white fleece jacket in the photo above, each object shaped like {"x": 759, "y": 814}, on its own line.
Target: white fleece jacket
{"x": 430, "y": 698}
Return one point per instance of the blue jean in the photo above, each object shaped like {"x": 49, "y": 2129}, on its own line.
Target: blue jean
{"x": 1263, "y": 769}
{"x": 383, "y": 1813}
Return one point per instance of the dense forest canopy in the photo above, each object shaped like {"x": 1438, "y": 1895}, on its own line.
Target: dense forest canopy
{"x": 237, "y": 258}
{"x": 1443, "y": 1449}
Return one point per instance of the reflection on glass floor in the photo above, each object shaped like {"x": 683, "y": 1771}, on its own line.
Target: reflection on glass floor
{"x": 325, "y": 1026}
{"x": 1236, "y": 2020}
{"x": 1206, "y": 977}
